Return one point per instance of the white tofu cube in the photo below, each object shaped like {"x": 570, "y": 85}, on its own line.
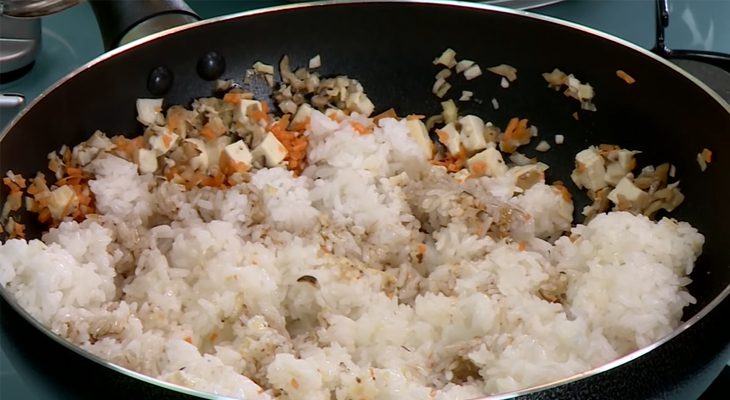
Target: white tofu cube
{"x": 449, "y": 136}
{"x": 472, "y": 133}
{"x": 614, "y": 173}
{"x": 303, "y": 114}
{"x": 238, "y": 153}
{"x": 149, "y": 111}
{"x": 627, "y": 190}
{"x": 489, "y": 162}
{"x": 147, "y": 161}
{"x": 241, "y": 113}
{"x": 590, "y": 170}
{"x": 418, "y": 132}
{"x": 62, "y": 199}
{"x": 271, "y": 150}
{"x": 163, "y": 141}
{"x": 199, "y": 162}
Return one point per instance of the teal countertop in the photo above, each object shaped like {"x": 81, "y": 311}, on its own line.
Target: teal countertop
{"x": 698, "y": 24}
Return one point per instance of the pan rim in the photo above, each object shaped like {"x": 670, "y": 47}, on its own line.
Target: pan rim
{"x": 283, "y": 8}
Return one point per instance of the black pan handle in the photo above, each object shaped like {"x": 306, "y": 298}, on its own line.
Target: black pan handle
{"x": 122, "y": 21}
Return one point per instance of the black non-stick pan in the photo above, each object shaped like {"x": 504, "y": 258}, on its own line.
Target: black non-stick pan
{"x": 389, "y": 47}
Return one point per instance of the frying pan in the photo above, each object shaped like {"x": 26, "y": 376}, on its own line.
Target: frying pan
{"x": 389, "y": 46}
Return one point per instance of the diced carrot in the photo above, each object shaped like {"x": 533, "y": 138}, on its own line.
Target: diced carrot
{"x": 360, "y": 128}
{"x": 707, "y": 155}
{"x": 232, "y": 98}
{"x": 73, "y": 171}
{"x": 626, "y": 77}
{"x": 294, "y": 383}
{"x": 422, "y": 248}
{"x": 208, "y": 132}
{"x": 521, "y": 246}
{"x": 213, "y": 336}
{"x": 188, "y": 339}
{"x": 412, "y": 117}
{"x": 580, "y": 167}
{"x": 44, "y": 216}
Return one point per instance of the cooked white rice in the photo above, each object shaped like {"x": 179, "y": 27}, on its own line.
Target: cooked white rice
{"x": 318, "y": 286}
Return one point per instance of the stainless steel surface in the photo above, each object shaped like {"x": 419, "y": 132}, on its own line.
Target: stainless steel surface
{"x": 20, "y": 42}
{"x": 522, "y": 4}
{"x": 11, "y": 100}
{"x": 155, "y": 24}
{"x": 34, "y": 8}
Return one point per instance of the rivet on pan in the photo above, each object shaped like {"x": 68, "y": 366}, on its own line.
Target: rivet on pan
{"x": 211, "y": 66}
{"x": 159, "y": 81}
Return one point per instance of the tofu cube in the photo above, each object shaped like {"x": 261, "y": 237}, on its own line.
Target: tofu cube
{"x": 590, "y": 170}
{"x": 163, "y": 141}
{"x": 472, "y": 133}
{"x": 146, "y": 161}
{"x": 489, "y": 162}
{"x": 199, "y": 162}
{"x": 302, "y": 116}
{"x": 149, "y": 111}
{"x": 271, "y": 150}
{"x": 62, "y": 199}
{"x": 241, "y": 113}
{"x": 449, "y": 136}
{"x": 628, "y": 191}
{"x": 418, "y": 132}
{"x": 237, "y": 152}
{"x": 614, "y": 173}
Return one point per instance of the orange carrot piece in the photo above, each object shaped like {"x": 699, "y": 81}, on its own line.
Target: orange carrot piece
{"x": 626, "y": 77}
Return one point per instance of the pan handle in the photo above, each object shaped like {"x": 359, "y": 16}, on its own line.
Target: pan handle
{"x": 122, "y": 21}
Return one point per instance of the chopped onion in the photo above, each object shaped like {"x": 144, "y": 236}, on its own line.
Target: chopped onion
{"x": 505, "y": 70}
{"x": 463, "y": 65}
{"x": 504, "y": 83}
{"x": 315, "y": 62}
{"x": 495, "y": 103}
{"x": 472, "y": 72}
{"x": 447, "y": 58}
{"x": 543, "y": 146}
{"x": 559, "y": 139}
{"x": 263, "y": 68}
{"x": 441, "y": 92}
{"x": 466, "y": 95}
{"x": 450, "y": 111}
{"x": 443, "y": 74}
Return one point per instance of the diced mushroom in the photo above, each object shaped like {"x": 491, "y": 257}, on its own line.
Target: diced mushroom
{"x": 627, "y": 191}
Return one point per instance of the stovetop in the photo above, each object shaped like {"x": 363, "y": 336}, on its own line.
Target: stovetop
{"x": 71, "y": 38}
